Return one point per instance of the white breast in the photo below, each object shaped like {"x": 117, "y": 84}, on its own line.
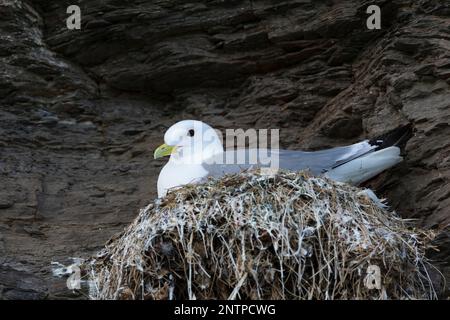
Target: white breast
{"x": 175, "y": 175}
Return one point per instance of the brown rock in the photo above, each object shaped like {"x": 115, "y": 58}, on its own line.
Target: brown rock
{"x": 82, "y": 110}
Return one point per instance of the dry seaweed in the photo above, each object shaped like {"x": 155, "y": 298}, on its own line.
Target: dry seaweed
{"x": 253, "y": 236}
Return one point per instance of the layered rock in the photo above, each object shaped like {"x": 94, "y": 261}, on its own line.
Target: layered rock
{"x": 82, "y": 110}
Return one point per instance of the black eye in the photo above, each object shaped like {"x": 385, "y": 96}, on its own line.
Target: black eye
{"x": 191, "y": 133}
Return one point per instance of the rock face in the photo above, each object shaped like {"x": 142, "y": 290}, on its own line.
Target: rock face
{"x": 81, "y": 111}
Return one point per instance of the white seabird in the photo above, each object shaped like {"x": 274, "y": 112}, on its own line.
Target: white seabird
{"x": 196, "y": 152}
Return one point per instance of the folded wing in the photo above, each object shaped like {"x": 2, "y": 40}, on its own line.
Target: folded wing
{"x": 318, "y": 162}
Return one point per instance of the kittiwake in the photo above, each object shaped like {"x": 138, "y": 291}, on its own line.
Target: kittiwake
{"x": 196, "y": 152}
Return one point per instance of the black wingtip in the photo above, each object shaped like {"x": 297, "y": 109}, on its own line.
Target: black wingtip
{"x": 397, "y": 137}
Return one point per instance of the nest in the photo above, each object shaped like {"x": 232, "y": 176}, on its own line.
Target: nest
{"x": 253, "y": 236}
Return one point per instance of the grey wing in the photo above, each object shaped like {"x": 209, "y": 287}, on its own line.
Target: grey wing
{"x": 232, "y": 161}
{"x": 322, "y": 161}
{"x": 318, "y": 162}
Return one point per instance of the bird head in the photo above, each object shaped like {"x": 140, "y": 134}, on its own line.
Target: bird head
{"x": 190, "y": 141}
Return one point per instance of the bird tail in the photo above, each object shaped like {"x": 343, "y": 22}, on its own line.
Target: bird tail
{"x": 366, "y": 167}
{"x": 397, "y": 137}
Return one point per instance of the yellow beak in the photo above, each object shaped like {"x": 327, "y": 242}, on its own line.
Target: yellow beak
{"x": 164, "y": 150}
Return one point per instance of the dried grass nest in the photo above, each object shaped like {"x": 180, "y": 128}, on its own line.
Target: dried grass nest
{"x": 253, "y": 236}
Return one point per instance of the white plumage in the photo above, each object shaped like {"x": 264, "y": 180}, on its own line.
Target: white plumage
{"x": 362, "y": 169}
{"x": 196, "y": 152}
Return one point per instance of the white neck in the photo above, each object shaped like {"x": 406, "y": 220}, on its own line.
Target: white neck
{"x": 196, "y": 154}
